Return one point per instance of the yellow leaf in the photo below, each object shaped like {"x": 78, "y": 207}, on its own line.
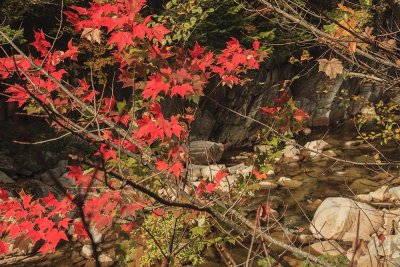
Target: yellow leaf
{"x": 332, "y": 68}
{"x": 346, "y": 9}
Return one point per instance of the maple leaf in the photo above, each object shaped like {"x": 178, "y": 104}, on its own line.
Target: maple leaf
{"x": 159, "y": 32}
{"x": 140, "y": 30}
{"x": 210, "y": 187}
{"x": 158, "y": 212}
{"x": 197, "y": 51}
{"x": 332, "y": 68}
{"x": 80, "y": 231}
{"x": 182, "y": 90}
{"x": 220, "y": 175}
{"x": 121, "y": 39}
{"x": 63, "y": 223}
{"x": 176, "y": 169}
{"x": 282, "y": 99}
{"x": 269, "y": 111}
{"x": 40, "y": 43}
{"x": 256, "y": 45}
{"x": 107, "y": 153}
{"x": 72, "y": 51}
{"x": 300, "y": 115}
{"x": 155, "y": 86}
{"x": 92, "y": 34}
{"x": 3, "y": 194}
{"x": 259, "y": 175}
{"x": 161, "y": 165}
{"x": 3, "y": 248}
{"x": 130, "y": 209}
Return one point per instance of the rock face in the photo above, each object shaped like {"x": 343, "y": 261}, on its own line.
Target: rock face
{"x": 205, "y": 152}
{"x": 341, "y": 218}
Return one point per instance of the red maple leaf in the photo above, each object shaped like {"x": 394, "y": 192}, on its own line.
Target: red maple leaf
{"x": 256, "y": 45}
{"x": 182, "y": 90}
{"x": 300, "y": 115}
{"x": 176, "y": 169}
{"x": 159, "y": 32}
{"x": 269, "y": 111}
{"x": 3, "y": 248}
{"x": 197, "y": 51}
{"x": 155, "y": 86}
{"x": 259, "y": 175}
{"x": 40, "y": 43}
{"x": 72, "y": 52}
{"x": 121, "y": 39}
{"x": 220, "y": 175}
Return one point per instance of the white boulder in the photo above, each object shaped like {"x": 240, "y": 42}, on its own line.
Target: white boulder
{"x": 343, "y": 219}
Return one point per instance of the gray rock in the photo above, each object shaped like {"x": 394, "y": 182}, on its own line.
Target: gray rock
{"x": 211, "y": 170}
{"x": 205, "y": 152}
{"x": 87, "y": 251}
{"x": 105, "y": 260}
{"x": 4, "y": 179}
{"x": 267, "y": 185}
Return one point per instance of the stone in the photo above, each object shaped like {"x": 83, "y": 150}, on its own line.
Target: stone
{"x": 236, "y": 169}
{"x": 353, "y": 143}
{"x": 329, "y": 247}
{"x": 227, "y": 183}
{"x": 290, "y": 151}
{"x": 6, "y": 164}
{"x": 380, "y": 195}
{"x": 105, "y": 260}
{"x": 246, "y": 171}
{"x": 4, "y": 179}
{"x": 97, "y": 236}
{"x": 195, "y": 170}
{"x": 386, "y": 253}
{"x": 205, "y": 152}
{"x": 317, "y": 146}
{"x": 289, "y": 183}
{"x": 391, "y": 222}
{"x": 261, "y": 148}
{"x": 341, "y": 218}
{"x": 306, "y": 239}
{"x": 267, "y": 185}
{"x": 330, "y": 153}
{"x": 211, "y": 170}
{"x": 87, "y": 251}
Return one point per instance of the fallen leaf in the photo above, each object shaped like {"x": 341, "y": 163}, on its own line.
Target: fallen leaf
{"x": 92, "y": 34}
{"x": 331, "y": 67}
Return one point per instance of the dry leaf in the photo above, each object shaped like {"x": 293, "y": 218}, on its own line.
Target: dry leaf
{"x": 346, "y": 9}
{"x": 92, "y": 34}
{"x": 305, "y": 56}
{"x": 388, "y": 44}
{"x": 352, "y": 47}
{"x": 331, "y": 67}
{"x": 397, "y": 62}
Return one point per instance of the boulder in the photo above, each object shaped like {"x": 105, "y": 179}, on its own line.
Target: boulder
{"x": 205, "y": 152}
{"x": 267, "y": 185}
{"x": 105, "y": 260}
{"x": 227, "y": 183}
{"x": 87, "y": 251}
{"x": 211, "y": 170}
{"x": 4, "y": 179}
{"x": 290, "y": 151}
{"x": 341, "y": 218}
{"x": 317, "y": 146}
{"x": 329, "y": 247}
{"x": 381, "y": 253}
